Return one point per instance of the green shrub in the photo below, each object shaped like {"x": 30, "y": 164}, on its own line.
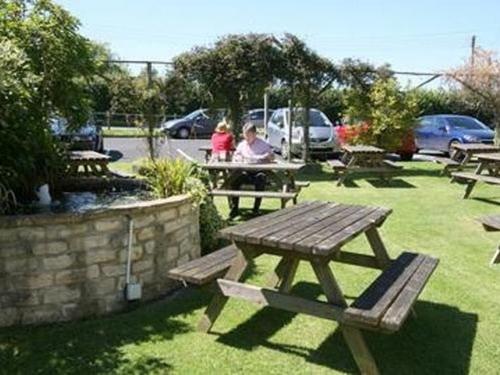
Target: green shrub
{"x": 172, "y": 177}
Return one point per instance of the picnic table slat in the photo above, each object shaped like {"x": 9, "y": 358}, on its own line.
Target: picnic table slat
{"x": 375, "y": 217}
{"x": 241, "y": 231}
{"x": 491, "y": 222}
{"x": 493, "y": 157}
{"x": 293, "y": 167}
{"x": 476, "y": 147}
{"x": 290, "y": 241}
{"x": 298, "y": 221}
{"x": 308, "y": 243}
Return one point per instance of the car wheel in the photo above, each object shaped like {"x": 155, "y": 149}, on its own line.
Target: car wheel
{"x": 284, "y": 149}
{"x": 407, "y": 156}
{"x": 451, "y": 146}
{"x": 183, "y": 133}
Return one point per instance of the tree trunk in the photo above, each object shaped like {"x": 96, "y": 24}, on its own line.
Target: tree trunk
{"x": 235, "y": 115}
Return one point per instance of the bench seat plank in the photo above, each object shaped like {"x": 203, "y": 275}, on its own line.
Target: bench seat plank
{"x": 253, "y": 194}
{"x": 336, "y": 164}
{"x": 205, "y": 269}
{"x": 371, "y": 305}
{"x": 446, "y": 161}
{"x": 477, "y": 177}
{"x": 400, "y": 308}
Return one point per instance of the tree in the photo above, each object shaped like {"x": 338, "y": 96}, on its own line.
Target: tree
{"x": 45, "y": 69}
{"x": 307, "y": 74}
{"x": 389, "y": 114}
{"x": 234, "y": 71}
{"x": 481, "y": 77}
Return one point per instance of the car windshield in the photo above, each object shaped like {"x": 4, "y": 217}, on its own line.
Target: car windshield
{"x": 59, "y": 126}
{"x": 316, "y": 118}
{"x": 466, "y": 123}
{"x": 195, "y": 114}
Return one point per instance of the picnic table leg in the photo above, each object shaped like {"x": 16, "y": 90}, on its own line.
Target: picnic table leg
{"x": 496, "y": 257}
{"x": 283, "y": 275}
{"x": 353, "y": 336}
{"x": 378, "y": 247}
{"x": 472, "y": 183}
{"x": 218, "y": 301}
{"x": 350, "y": 164}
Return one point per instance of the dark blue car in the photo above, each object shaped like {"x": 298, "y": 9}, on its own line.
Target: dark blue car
{"x": 440, "y": 132}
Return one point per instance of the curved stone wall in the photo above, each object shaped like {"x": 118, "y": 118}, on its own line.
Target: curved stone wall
{"x": 56, "y": 267}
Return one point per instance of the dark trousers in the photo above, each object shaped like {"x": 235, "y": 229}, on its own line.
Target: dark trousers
{"x": 258, "y": 179}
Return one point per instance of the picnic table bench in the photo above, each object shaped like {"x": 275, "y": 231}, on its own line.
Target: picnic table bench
{"x": 491, "y": 223}
{"x": 280, "y": 173}
{"x": 362, "y": 158}
{"x": 488, "y": 161}
{"x": 462, "y": 154}
{"x": 315, "y": 232}
{"x": 208, "y": 152}
{"x": 92, "y": 163}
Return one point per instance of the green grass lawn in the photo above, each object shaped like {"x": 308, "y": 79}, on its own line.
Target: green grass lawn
{"x": 457, "y": 330}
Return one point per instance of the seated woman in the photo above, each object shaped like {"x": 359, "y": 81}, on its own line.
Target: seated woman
{"x": 222, "y": 142}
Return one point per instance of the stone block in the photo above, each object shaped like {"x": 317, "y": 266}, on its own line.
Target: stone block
{"x": 146, "y": 234}
{"x": 32, "y": 233}
{"x": 109, "y": 224}
{"x": 172, "y": 253}
{"x": 142, "y": 265}
{"x": 143, "y": 221}
{"x": 182, "y": 260}
{"x": 77, "y": 275}
{"x": 61, "y": 294}
{"x": 50, "y": 248}
{"x": 33, "y": 281}
{"x": 113, "y": 269}
{"x": 186, "y": 209}
{"x": 149, "y": 246}
{"x": 100, "y": 256}
{"x": 8, "y": 235}
{"x": 167, "y": 215}
{"x": 96, "y": 241}
{"x": 58, "y": 262}
{"x": 20, "y": 265}
{"x": 64, "y": 231}
{"x": 100, "y": 287}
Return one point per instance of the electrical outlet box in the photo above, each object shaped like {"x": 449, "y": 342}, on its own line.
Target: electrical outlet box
{"x": 133, "y": 291}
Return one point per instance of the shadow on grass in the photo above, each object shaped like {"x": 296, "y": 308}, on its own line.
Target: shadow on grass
{"x": 95, "y": 345}
{"x": 440, "y": 340}
{"x": 494, "y": 201}
{"x": 392, "y": 183}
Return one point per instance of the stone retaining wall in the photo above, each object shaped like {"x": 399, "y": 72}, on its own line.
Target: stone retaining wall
{"x": 56, "y": 267}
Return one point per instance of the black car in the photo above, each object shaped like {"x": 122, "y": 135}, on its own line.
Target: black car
{"x": 86, "y": 137}
{"x": 200, "y": 123}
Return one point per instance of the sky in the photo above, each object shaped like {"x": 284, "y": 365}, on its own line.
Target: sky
{"x": 423, "y": 36}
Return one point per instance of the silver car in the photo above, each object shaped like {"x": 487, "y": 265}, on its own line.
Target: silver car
{"x": 322, "y": 139}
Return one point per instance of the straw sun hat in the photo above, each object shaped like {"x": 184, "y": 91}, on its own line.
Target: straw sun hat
{"x": 222, "y": 127}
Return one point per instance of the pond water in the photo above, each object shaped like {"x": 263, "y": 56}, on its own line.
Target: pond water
{"x": 79, "y": 202}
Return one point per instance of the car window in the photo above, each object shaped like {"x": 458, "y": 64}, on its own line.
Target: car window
{"x": 278, "y": 118}
{"x": 257, "y": 115}
{"x": 316, "y": 118}
{"x": 466, "y": 123}
{"x": 425, "y": 122}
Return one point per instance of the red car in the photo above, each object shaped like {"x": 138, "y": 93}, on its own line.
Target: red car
{"x": 346, "y": 133}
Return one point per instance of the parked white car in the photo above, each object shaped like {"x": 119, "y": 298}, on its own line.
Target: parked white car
{"x": 322, "y": 136}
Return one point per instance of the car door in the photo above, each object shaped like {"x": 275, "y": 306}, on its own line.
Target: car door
{"x": 423, "y": 133}
{"x": 441, "y": 134}
{"x": 273, "y": 129}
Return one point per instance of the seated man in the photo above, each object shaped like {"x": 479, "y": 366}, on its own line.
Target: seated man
{"x": 252, "y": 150}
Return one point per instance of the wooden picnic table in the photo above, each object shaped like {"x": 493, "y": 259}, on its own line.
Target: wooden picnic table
{"x": 92, "y": 163}
{"x": 315, "y": 232}
{"x": 281, "y": 174}
{"x": 491, "y": 223}
{"x": 362, "y": 158}
{"x": 487, "y": 161}
{"x": 464, "y": 152}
